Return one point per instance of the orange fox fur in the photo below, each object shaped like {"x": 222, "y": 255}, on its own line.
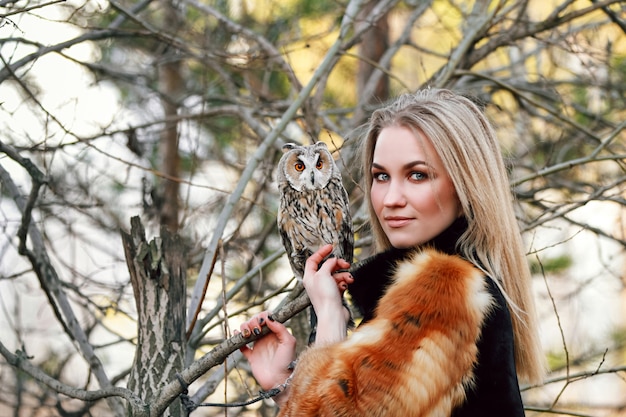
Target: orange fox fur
{"x": 415, "y": 358}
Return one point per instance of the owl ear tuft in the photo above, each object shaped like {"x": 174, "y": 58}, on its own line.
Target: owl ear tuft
{"x": 288, "y": 146}
{"x": 321, "y": 144}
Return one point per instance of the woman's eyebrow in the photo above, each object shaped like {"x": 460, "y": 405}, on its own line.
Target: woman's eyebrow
{"x": 414, "y": 164}
{"x": 408, "y": 165}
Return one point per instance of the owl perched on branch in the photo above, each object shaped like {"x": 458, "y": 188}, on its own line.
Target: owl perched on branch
{"x": 314, "y": 207}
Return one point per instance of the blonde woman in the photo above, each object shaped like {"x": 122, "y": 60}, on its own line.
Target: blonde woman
{"x": 448, "y": 316}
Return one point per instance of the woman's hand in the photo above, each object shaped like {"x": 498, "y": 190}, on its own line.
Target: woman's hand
{"x": 271, "y": 355}
{"x": 325, "y": 287}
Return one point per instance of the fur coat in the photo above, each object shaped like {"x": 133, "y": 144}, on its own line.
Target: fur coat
{"x": 436, "y": 340}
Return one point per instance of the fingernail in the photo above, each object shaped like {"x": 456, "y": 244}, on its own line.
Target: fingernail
{"x": 271, "y": 318}
{"x": 256, "y": 331}
{"x": 246, "y": 333}
{"x": 261, "y": 321}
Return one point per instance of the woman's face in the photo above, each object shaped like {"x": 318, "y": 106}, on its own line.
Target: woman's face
{"x": 412, "y": 194}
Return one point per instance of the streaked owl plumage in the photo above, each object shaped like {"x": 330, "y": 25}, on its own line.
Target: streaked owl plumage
{"x": 314, "y": 207}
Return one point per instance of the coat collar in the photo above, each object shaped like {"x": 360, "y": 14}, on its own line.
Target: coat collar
{"x": 373, "y": 275}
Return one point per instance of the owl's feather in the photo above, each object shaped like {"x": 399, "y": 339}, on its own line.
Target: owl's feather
{"x": 313, "y": 207}
{"x": 311, "y": 220}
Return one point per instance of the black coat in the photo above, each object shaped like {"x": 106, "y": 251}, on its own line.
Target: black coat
{"x": 496, "y": 391}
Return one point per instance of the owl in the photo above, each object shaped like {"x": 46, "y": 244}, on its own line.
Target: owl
{"x": 313, "y": 208}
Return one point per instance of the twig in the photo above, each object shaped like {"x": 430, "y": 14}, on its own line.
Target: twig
{"x": 576, "y": 376}
{"x": 553, "y": 411}
{"x": 592, "y": 157}
{"x": 475, "y": 26}
{"x": 558, "y": 319}
{"x": 195, "y": 313}
{"x": 28, "y": 9}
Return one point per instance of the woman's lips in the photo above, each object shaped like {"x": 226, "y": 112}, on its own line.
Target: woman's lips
{"x": 395, "y": 222}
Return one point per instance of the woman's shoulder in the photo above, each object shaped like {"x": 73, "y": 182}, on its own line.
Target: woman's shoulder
{"x": 374, "y": 276}
{"x": 436, "y": 278}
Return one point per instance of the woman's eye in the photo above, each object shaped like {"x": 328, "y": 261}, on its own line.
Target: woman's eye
{"x": 418, "y": 176}
{"x": 380, "y": 176}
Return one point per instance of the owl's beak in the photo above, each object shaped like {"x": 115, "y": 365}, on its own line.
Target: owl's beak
{"x": 312, "y": 178}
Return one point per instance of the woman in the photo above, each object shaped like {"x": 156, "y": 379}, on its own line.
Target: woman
{"x": 449, "y": 321}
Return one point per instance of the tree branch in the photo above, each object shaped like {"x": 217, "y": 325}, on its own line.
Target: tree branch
{"x": 592, "y": 157}
{"x": 20, "y": 361}
{"x": 28, "y": 9}
{"x": 218, "y": 354}
{"x": 51, "y": 285}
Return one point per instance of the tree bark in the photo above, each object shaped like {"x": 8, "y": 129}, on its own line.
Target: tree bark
{"x": 374, "y": 43}
{"x": 171, "y": 85}
{"x": 157, "y": 273}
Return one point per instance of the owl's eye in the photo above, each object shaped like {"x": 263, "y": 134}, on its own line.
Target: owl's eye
{"x": 299, "y": 166}
{"x": 319, "y": 164}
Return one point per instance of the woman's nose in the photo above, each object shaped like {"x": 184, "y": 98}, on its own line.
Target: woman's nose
{"x": 394, "y": 195}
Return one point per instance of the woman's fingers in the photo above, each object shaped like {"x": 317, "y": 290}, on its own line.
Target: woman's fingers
{"x": 318, "y": 256}
{"x": 250, "y": 327}
{"x": 255, "y": 324}
{"x": 343, "y": 279}
{"x": 328, "y": 266}
{"x": 279, "y": 330}
{"x": 341, "y": 266}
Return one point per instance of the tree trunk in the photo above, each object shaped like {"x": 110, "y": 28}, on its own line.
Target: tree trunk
{"x": 157, "y": 273}
{"x": 374, "y": 44}
{"x": 171, "y": 85}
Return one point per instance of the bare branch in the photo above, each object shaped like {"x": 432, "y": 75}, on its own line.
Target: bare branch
{"x": 20, "y": 361}
{"x": 28, "y": 9}
{"x": 59, "y": 301}
{"x": 218, "y": 354}
{"x": 592, "y": 157}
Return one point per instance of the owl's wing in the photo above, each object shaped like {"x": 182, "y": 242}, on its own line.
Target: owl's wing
{"x": 346, "y": 232}
{"x": 296, "y": 263}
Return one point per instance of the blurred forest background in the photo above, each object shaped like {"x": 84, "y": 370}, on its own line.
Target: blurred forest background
{"x": 173, "y": 113}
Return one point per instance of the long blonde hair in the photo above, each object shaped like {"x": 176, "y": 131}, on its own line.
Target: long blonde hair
{"x": 467, "y": 145}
